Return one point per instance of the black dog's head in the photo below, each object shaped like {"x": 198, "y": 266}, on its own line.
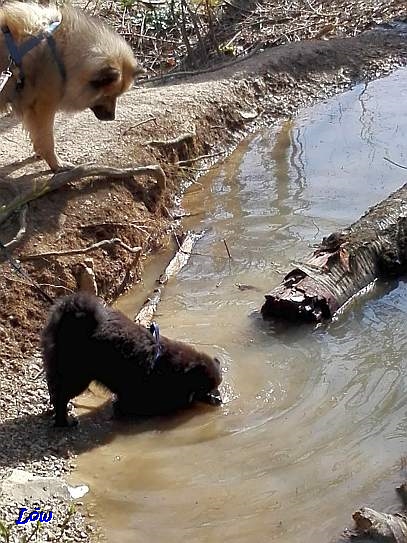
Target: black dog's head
{"x": 178, "y": 377}
{"x": 203, "y": 380}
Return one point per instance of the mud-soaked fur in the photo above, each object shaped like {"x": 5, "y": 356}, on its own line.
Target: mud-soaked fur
{"x": 84, "y": 341}
{"x": 98, "y": 64}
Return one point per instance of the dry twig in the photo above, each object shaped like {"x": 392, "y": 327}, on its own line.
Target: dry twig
{"x": 130, "y": 128}
{"x": 227, "y": 250}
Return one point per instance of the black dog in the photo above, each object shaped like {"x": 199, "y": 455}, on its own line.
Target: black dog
{"x": 85, "y": 341}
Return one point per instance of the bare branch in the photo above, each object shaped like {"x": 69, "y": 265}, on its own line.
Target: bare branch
{"x": 130, "y": 128}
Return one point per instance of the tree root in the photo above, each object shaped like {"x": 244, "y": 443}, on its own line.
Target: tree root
{"x": 174, "y": 143}
{"x": 197, "y": 158}
{"x": 36, "y": 189}
{"x": 70, "y": 252}
{"x": 21, "y": 231}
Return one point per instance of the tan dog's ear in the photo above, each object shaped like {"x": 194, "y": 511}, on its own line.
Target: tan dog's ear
{"x": 105, "y": 77}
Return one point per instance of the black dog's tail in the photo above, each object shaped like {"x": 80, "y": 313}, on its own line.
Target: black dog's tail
{"x": 76, "y": 315}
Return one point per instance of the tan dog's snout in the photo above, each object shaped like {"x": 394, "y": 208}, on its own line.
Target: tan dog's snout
{"x": 105, "y": 112}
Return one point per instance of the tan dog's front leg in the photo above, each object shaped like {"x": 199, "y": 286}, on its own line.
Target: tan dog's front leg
{"x": 39, "y": 121}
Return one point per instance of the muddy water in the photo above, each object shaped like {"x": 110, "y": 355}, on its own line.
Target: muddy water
{"x": 314, "y": 422}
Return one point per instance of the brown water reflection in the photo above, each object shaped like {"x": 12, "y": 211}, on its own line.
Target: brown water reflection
{"x": 314, "y": 423}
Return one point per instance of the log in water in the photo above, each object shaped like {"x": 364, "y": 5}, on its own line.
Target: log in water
{"x": 343, "y": 264}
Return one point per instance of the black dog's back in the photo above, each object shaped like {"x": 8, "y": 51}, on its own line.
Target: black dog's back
{"x": 84, "y": 341}
{"x": 74, "y": 316}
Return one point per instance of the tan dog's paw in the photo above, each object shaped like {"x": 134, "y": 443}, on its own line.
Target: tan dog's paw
{"x": 62, "y": 166}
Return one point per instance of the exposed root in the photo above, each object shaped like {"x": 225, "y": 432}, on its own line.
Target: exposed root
{"x": 188, "y": 137}
{"x": 21, "y": 231}
{"x": 85, "y": 277}
{"x": 70, "y": 252}
{"x": 196, "y": 159}
{"x": 130, "y": 128}
{"x": 36, "y": 189}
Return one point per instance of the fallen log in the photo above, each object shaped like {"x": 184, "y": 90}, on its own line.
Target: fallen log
{"x": 181, "y": 257}
{"x": 344, "y": 264}
{"x": 380, "y": 527}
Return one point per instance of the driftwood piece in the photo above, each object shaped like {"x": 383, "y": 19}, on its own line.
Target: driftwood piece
{"x": 344, "y": 264}
{"x": 179, "y": 260}
{"x": 86, "y": 278}
{"x": 380, "y": 526}
{"x": 146, "y": 313}
{"x": 38, "y": 188}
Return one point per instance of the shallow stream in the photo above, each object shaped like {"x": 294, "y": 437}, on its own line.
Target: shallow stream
{"x": 314, "y": 423}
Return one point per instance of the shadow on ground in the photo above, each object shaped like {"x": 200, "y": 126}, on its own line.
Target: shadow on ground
{"x": 96, "y": 427}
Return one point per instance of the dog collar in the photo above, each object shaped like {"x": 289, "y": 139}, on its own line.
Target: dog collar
{"x": 155, "y": 332}
{"x": 17, "y": 52}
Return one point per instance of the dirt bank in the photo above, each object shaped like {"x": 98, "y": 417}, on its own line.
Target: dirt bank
{"x": 217, "y": 109}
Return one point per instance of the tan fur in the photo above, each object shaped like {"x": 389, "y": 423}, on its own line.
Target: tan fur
{"x": 99, "y": 66}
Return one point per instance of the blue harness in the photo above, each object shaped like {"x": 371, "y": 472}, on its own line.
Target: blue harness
{"x": 155, "y": 332}
{"x": 17, "y": 52}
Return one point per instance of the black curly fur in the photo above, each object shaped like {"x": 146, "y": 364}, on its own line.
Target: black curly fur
{"x": 84, "y": 341}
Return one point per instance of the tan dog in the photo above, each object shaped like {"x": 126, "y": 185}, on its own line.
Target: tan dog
{"x": 83, "y": 65}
